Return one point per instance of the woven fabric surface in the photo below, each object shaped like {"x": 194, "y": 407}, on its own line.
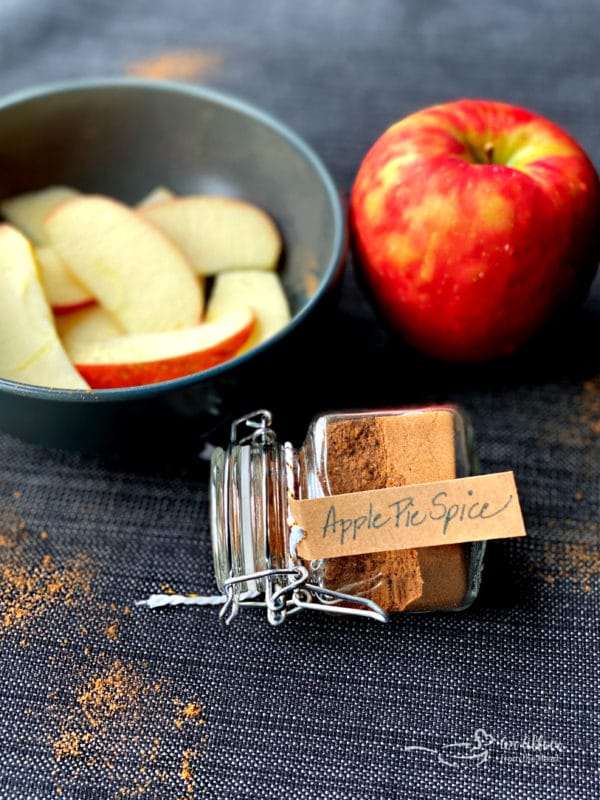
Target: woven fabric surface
{"x": 100, "y": 699}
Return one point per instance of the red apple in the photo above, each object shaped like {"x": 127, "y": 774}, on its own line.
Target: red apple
{"x": 473, "y": 223}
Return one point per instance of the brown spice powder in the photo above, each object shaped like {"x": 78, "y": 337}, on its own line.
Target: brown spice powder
{"x": 104, "y": 724}
{"x": 29, "y": 593}
{"x": 109, "y": 728}
{"x": 377, "y": 451}
{"x": 183, "y": 65}
{"x": 590, "y": 405}
{"x": 577, "y": 563}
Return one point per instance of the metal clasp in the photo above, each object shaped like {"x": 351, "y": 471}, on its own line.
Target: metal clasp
{"x": 295, "y": 595}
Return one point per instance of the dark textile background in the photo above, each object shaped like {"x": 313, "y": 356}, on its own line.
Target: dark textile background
{"x": 99, "y": 699}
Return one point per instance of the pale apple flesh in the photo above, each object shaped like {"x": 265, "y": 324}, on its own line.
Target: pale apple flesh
{"x": 30, "y": 350}
{"x": 157, "y": 195}
{"x": 140, "y": 359}
{"x": 128, "y": 265}
{"x": 218, "y": 233}
{"x": 86, "y": 325}
{"x": 28, "y": 211}
{"x": 473, "y": 222}
{"x": 259, "y": 289}
{"x": 63, "y": 290}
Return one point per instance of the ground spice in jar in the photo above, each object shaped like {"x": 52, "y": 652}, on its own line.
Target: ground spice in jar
{"x": 376, "y": 451}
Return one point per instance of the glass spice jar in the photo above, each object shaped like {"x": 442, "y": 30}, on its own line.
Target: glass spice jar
{"x": 255, "y": 537}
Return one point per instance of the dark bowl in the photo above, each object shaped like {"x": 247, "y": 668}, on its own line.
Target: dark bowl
{"x": 122, "y": 138}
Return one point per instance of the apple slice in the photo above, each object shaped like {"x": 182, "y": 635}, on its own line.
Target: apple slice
{"x": 28, "y": 211}
{"x": 64, "y": 292}
{"x": 158, "y": 195}
{"x": 143, "y": 358}
{"x": 260, "y": 290}
{"x": 218, "y": 233}
{"x": 30, "y": 350}
{"x": 131, "y": 268}
{"x": 92, "y": 324}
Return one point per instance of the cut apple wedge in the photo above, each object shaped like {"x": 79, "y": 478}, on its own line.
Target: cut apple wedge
{"x": 131, "y": 268}
{"x": 91, "y": 324}
{"x": 138, "y": 359}
{"x": 259, "y": 289}
{"x": 63, "y": 290}
{"x": 30, "y": 350}
{"x": 218, "y": 233}
{"x": 28, "y": 211}
{"x": 158, "y": 195}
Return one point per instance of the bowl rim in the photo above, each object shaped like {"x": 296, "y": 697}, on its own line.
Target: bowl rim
{"x": 332, "y": 271}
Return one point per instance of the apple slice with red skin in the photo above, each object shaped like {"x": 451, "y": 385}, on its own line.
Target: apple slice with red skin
{"x": 139, "y": 359}
{"x": 218, "y": 233}
{"x": 131, "y": 268}
{"x": 63, "y": 290}
{"x": 473, "y": 223}
{"x": 30, "y": 350}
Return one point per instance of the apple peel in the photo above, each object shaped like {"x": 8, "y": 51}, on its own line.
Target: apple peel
{"x": 139, "y": 359}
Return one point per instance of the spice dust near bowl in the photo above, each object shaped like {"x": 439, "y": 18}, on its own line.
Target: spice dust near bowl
{"x": 120, "y": 138}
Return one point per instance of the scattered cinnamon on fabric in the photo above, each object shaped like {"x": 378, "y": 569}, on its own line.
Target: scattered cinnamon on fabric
{"x": 106, "y": 724}
{"x": 183, "y": 65}
{"x": 576, "y": 563}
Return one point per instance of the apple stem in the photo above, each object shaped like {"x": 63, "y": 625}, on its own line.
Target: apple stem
{"x": 488, "y": 149}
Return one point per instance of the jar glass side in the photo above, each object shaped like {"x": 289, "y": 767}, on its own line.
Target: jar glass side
{"x": 248, "y": 507}
{"x": 359, "y": 451}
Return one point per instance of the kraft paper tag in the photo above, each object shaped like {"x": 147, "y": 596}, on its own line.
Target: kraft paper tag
{"x": 399, "y": 518}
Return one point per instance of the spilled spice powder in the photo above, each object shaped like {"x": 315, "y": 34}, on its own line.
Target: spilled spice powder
{"x": 30, "y": 593}
{"x": 109, "y": 694}
{"x": 584, "y": 419}
{"x": 183, "y": 65}
{"x": 590, "y": 405}
{"x": 185, "y": 773}
{"x": 66, "y": 745}
{"x": 106, "y": 725}
{"x": 31, "y": 589}
{"x": 112, "y": 631}
{"x": 186, "y": 712}
{"x": 577, "y": 564}
{"x": 110, "y": 725}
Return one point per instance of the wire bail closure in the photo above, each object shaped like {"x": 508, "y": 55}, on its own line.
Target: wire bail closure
{"x": 282, "y": 589}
